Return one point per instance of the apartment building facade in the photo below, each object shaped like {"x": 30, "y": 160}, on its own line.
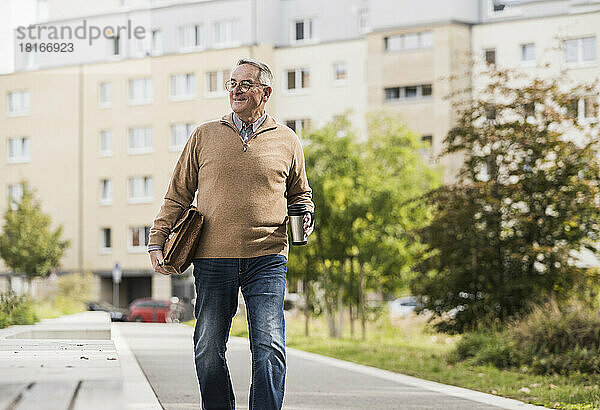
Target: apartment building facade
{"x": 97, "y": 132}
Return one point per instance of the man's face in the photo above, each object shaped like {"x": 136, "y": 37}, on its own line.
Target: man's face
{"x": 248, "y": 104}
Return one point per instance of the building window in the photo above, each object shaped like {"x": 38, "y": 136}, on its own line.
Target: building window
{"x": 106, "y": 143}
{"x": 43, "y": 11}
{"x": 116, "y": 40}
{"x": 528, "y": 52}
{"x": 105, "y": 94}
{"x": 140, "y": 91}
{"x": 106, "y": 192}
{"x": 138, "y": 237}
{"x": 15, "y": 194}
{"x": 298, "y": 125}
{"x": 215, "y": 81}
{"x": 105, "y": 240}
{"x": 227, "y": 33}
{"x": 426, "y": 151}
{"x": 497, "y": 7}
{"x": 190, "y": 36}
{"x": 18, "y": 103}
{"x": 157, "y": 45}
{"x": 409, "y": 92}
{"x": 18, "y": 149}
{"x": 298, "y": 79}
{"x": 409, "y": 41}
{"x": 490, "y": 56}
{"x": 140, "y": 140}
{"x": 363, "y": 22}
{"x": 580, "y": 50}
{"x": 179, "y": 135}
{"x": 584, "y": 109}
{"x": 302, "y": 30}
{"x": 183, "y": 86}
{"x": 140, "y": 190}
{"x": 340, "y": 73}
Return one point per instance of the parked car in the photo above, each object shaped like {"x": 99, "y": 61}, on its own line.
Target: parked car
{"x": 116, "y": 314}
{"x": 403, "y": 306}
{"x": 148, "y": 310}
{"x": 156, "y": 311}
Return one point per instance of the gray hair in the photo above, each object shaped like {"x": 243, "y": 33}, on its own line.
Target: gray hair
{"x": 265, "y": 75}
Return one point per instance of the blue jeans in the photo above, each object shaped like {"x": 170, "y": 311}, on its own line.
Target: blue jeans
{"x": 262, "y": 280}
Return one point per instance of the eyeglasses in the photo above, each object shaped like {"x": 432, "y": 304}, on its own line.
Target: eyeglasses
{"x": 245, "y": 85}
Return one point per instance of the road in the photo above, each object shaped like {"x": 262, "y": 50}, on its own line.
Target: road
{"x": 164, "y": 352}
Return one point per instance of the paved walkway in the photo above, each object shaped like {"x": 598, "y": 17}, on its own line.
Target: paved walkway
{"x": 164, "y": 353}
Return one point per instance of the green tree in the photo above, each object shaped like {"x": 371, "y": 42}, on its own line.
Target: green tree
{"x": 526, "y": 198}
{"x": 28, "y": 245}
{"x": 362, "y": 238}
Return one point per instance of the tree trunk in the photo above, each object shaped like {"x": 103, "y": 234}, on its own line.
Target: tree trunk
{"x": 340, "y": 313}
{"x": 340, "y": 300}
{"x": 307, "y": 304}
{"x": 361, "y": 301}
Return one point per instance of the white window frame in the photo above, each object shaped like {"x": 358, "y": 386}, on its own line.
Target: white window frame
{"x": 299, "y": 125}
{"x": 581, "y": 108}
{"x": 424, "y": 40}
{"x": 106, "y": 191}
{"x": 20, "y": 155}
{"x": 508, "y": 11}
{"x": 105, "y": 94}
{"x": 297, "y": 78}
{"x": 134, "y": 135}
{"x": 141, "y": 231}
{"x": 103, "y": 249}
{"x": 363, "y": 21}
{"x": 222, "y": 76}
{"x": 184, "y": 31}
{"x": 18, "y": 103}
{"x": 147, "y": 91}
{"x": 523, "y": 49}
{"x": 177, "y": 130}
{"x": 402, "y": 94}
{"x": 105, "y": 135}
{"x": 15, "y": 195}
{"x": 157, "y": 42}
{"x": 343, "y": 81}
{"x": 309, "y": 27}
{"x": 230, "y": 29}
{"x": 580, "y": 62}
{"x": 146, "y": 183}
{"x": 182, "y": 86}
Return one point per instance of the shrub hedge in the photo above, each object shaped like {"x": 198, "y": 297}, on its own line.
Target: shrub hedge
{"x": 551, "y": 339}
{"x": 15, "y": 310}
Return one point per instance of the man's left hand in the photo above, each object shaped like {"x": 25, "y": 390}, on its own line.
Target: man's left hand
{"x": 308, "y": 226}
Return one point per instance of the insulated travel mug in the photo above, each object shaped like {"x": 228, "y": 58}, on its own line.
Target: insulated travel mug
{"x": 296, "y": 213}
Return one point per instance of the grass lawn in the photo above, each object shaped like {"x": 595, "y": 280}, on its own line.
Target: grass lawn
{"x": 409, "y": 347}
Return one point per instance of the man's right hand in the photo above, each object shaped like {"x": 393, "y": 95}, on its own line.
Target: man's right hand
{"x": 158, "y": 261}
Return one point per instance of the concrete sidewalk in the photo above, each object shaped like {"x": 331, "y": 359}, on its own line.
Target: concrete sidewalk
{"x": 71, "y": 363}
{"x": 165, "y": 353}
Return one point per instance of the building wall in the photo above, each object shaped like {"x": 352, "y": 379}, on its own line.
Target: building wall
{"x": 548, "y": 34}
{"x": 325, "y": 98}
{"x": 52, "y": 128}
{"x": 449, "y": 56}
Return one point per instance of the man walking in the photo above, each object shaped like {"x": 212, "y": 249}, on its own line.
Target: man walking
{"x": 247, "y": 169}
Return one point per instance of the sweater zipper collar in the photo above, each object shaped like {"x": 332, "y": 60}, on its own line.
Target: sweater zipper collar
{"x": 260, "y": 130}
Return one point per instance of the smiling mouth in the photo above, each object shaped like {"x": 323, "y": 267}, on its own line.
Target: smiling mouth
{"x": 239, "y": 99}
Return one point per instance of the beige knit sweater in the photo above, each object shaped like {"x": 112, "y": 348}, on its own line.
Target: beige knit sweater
{"x": 243, "y": 194}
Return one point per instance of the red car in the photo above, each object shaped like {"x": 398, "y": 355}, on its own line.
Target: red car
{"x": 149, "y": 310}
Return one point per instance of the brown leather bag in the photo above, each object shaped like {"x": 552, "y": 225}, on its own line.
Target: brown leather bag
{"x": 181, "y": 244}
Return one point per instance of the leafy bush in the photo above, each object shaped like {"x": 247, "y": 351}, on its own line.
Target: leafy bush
{"x": 559, "y": 339}
{"x": 551, "y": 339}
{"x": 15, "y": 310}
{"x": 485, "y": 347}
